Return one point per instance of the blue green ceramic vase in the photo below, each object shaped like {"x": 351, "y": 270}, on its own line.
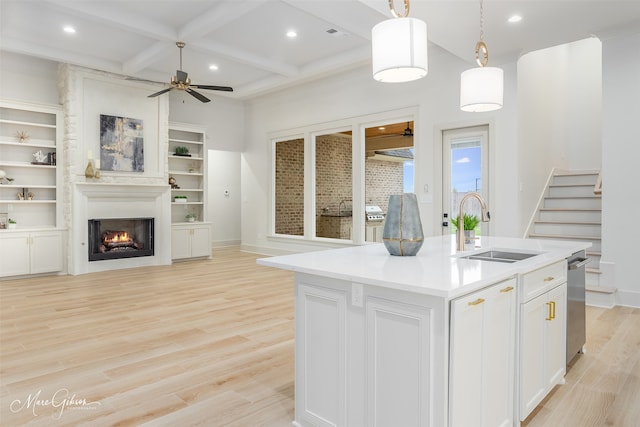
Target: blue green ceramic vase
{"x": 402, "y": 235}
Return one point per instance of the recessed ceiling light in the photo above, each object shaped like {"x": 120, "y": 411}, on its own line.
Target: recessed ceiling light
{"x": 69, "y": 29}
{"x": 292, "y": 34}
{"x": 381, "y": 128}
{"x": 213, "y": 67}
{"x": 515, "y": 18}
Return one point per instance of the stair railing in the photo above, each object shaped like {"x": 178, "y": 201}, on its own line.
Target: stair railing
{"x": 534, "y": 215}
{"x": 597, "y": 189}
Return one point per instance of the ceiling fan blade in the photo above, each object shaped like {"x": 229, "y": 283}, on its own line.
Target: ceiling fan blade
{"x": 181, "y": 76}
{"x": 153, "y": 95}
{"x": 197, "y": 95}
{"x": 208, "y": 87}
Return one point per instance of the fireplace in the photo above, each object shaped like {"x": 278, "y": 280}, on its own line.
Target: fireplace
{"x": 120, "y": 238}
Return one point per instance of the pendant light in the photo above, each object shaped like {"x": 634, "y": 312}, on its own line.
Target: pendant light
{"x": 399, "y": 48}
{"x": 481, "y": 88}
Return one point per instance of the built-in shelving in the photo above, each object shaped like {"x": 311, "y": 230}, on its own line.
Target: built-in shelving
{"x": 31, "y": 191}
{"x": 190, "y": 237}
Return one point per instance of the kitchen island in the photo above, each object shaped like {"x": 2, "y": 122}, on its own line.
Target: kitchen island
{"x": 432, "y": 340}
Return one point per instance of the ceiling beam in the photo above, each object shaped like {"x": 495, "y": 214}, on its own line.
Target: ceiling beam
{"x": 333, "y": 16}
{"x": 216, "y": 17}
{"x": 58, "y": 55}
{"x": 246, "y": 58}
{"x": 105, "y": 12}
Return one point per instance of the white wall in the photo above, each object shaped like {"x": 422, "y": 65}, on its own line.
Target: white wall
{"x": 222, "y": 118}
{"x": 620, "y": 170}
{"x": 28, "y": 79}
{"x": 224, "y": 197}
{"x": 354, "y": 93}
{"x": 559, "y": 116}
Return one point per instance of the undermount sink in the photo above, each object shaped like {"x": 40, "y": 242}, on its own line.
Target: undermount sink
{"x": 497, "y": 255}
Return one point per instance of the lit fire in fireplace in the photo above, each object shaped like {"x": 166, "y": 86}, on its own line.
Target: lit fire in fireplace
{"x": 118, "y": 236}
{"x": 118, "y": 241}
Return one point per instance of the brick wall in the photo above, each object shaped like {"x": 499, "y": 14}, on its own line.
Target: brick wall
{"x": 382, "y": 179}
{"x": 289, "y": 187}
{"x": 334, "y": 176}
{"x": 334, "y": 179}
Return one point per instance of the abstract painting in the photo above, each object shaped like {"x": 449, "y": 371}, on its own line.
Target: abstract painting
{"x": 121, "y": 144}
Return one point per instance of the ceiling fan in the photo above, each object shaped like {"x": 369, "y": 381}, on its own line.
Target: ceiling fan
{"x": 181, "y": 81}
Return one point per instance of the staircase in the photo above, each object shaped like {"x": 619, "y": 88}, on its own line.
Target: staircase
{"x": 571, "y": 209}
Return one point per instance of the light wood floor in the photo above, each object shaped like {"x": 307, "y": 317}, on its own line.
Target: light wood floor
{"x": 210, "y": 343}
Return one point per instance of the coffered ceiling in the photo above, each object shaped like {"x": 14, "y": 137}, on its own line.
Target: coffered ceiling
{"x": 246, "y": 39}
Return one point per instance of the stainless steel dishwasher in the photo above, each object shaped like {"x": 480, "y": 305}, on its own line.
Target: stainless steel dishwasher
{"x": 576, "y": 329}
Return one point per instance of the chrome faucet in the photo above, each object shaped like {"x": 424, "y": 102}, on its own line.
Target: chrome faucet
{"x": 485, "y": 216}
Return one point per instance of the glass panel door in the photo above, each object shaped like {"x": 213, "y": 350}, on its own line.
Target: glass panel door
{"x": 465, "y": 169}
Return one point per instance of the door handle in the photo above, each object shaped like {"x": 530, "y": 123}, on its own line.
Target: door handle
{"x": 477, "y": 302}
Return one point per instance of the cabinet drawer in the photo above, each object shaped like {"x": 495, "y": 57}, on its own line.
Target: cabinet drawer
{"x": 539, "y": 281}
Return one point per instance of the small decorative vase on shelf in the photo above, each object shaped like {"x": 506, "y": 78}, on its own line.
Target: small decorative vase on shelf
{"x": 402, "y": 234}
{"x": 89, "y": 172}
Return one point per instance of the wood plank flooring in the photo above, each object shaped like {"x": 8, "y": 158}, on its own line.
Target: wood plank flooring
{"x": 210, "y": 343}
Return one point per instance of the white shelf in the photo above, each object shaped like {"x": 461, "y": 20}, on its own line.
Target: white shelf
{"x": 185, "y": 141}
{"x": 25, "y": 165}
{"x": 186, "y": 204}
{"x": 174, "y": 172}
{"x": 43, "y": 187}
{"x": 173, "y": 156}
{"x": 26, "y": 202}
{"x": 35, "y": 143}
{"x": 23, "y": 123}
{"x": 187, "y": 189}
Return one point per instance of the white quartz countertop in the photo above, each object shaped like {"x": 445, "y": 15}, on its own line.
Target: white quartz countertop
{"x": 437, "y": 270}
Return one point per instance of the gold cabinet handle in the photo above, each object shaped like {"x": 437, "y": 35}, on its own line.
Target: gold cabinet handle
{"x": 553, "y": 309}
{"x": 477, "y": 302}
{"x": 507, "y": 289}
{"x": 548, "y": 279}
{"x": 550, "y": 311}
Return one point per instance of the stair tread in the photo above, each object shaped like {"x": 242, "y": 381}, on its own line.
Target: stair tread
{"x": 572, "y": 197}
{"x": 583, "y": 173}
{"x": 570, "y": 210}
{"x": 556, "y": 236}
{"x": 570, "y": 222}
{"x": 602, "y": 289}
{"x": 571, "y": 185}
{"x": 593, "y": 253}
{"x": 593, "y": 270}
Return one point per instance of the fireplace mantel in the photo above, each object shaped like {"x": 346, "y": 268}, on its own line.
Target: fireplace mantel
{"x": 119, "y": 200}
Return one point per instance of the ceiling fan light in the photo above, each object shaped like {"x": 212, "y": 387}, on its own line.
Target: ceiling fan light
{"x": 481, "y": 89}
{"x": 399, "y": 50}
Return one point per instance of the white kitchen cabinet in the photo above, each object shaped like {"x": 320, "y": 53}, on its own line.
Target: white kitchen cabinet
{"x": 190, "y": 241}
{"x": 33, "y": 252}
{"x": 482, "y": 355}
{"x": 543, "y": 324}
{"x": 365, "y": 357}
